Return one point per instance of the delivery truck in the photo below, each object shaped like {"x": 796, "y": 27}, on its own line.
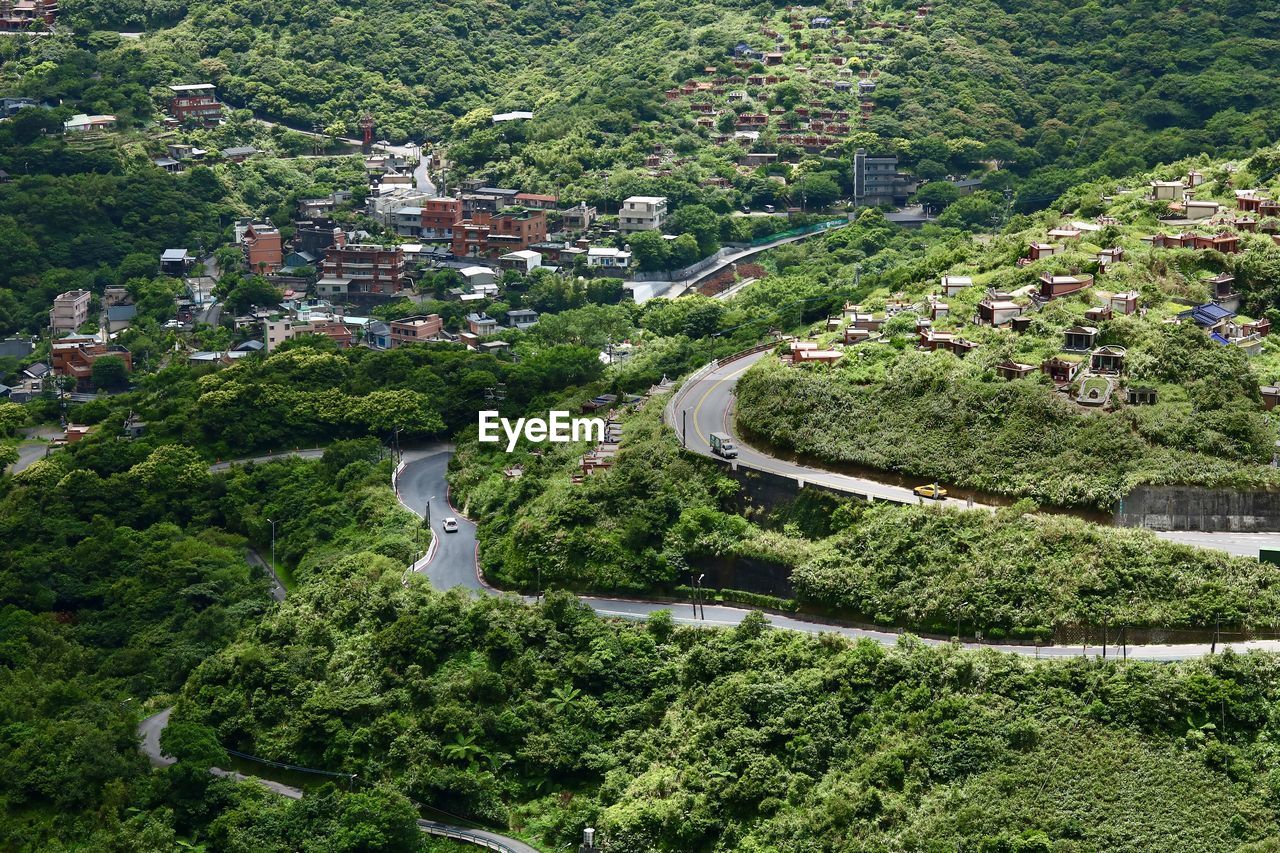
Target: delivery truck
{"x": 722, "y": 445}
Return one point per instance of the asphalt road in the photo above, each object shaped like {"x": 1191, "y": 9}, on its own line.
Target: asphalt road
{"x": 452, "y": 560}
{"x": 454, "y": 564}
{"x": 29, "y": 452}
{"x": 278, "y": 592}
{"x": 705, "y": 406}
{"x": 309, "y": 453}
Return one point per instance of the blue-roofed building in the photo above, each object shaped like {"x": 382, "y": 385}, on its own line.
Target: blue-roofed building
{"x": 1210, "y": 317}
{"x": 1219, "y": 339}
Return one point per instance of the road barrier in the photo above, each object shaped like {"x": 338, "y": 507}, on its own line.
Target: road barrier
{"x": 797, "y": 232}
{"x": 444, "y": 830}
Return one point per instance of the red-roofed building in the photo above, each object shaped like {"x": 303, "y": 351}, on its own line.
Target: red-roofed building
{"x": 23, "y": 15}
{"x": 75, "y": 358}
{"x": 537, "y": 201}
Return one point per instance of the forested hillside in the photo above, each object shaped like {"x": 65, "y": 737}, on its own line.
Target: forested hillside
{"x": 1052, "y": 93}
{"x": 549, "y": 719}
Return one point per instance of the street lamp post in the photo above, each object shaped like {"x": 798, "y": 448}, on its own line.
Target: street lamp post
{"x": 273, "y": 545}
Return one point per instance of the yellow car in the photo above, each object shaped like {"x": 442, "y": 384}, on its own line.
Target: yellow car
{"x": 932, "y": 491}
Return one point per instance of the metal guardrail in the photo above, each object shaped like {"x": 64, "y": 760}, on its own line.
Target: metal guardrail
{"x": 669, "y": 411}
{"x": 444, "y": 830}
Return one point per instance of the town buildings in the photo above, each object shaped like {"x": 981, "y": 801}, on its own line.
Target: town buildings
{"x": 70, "y": 311}
{"x": 642, "y": 213}
{"x": 263, "y": 248}
{"x": 73, "y": 357}
{"x": 23, "y": 15}
{"x": 195, "y": 103}
{"x": 366, "y": 268}
{"x": 876, "y": 180}
{"x": 415, "y": 330}
{"x": 81, "y": 123}
{"x": 492, "y": 235}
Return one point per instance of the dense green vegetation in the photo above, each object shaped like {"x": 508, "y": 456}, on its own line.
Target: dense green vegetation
{"x": 111, "y": 589}
{"x": 658, "y": 514}
{"x": 1051, "y": 93}
{"x": 938, "y": 417}
{"x": 115, "y": 585}
{"x": 550, "y": 719}
{"x": 124, "y": 587}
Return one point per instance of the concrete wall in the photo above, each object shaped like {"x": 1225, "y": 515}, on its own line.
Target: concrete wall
{"x": 1194, "y": 508}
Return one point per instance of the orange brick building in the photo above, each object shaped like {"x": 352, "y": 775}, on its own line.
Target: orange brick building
{"x": 492, "y": 235}
{"x": 75, "y": 358}
{"x": 263, "y": 248}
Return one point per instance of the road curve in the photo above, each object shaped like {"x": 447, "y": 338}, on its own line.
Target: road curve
{"x": 435, "y": 461}
{"x": 423, "y": 475}
{"x": 149, "y": 731}
{"x": 704, "y": 405}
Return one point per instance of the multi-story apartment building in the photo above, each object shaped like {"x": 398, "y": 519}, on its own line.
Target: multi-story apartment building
{"x": 278, "y": 330}
{"x": 415, "y": 330}
{"x": 876, "y": 181}
{"x": 368, "y": 268}
{"x": 196, "y": 102}
{"x": 70, "y": 311}
{"x": 263, "y": 248}
{"x": 406, "y": 221}
{"x": 438, "y": 218}
{"x": 642, "y": 213}
{"x": 492, "y": 235}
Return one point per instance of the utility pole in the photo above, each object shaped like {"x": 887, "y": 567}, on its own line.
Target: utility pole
{"x": 701, "y": 596}
{"x": 684, "y": 427}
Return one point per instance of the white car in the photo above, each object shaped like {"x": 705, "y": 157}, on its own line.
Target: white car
{"x": 450, "y": 525}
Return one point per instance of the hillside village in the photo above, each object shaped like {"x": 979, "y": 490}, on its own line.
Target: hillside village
{"x": 1079, "y": 294}
{"x": 347, "y": 264}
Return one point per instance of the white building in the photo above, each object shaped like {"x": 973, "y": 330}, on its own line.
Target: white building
{"x": 642, "y": 213}
{"x": 605, "y": 257}
{"x": 525, "y": 260}
{"x": 478, "y": 276}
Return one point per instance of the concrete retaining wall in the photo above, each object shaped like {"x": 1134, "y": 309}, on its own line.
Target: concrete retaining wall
{"x": 1194, "y": 508}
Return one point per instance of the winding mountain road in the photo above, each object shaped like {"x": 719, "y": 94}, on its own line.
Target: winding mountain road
{"x": 701, "y": 406}
{"x": 704, "y": 404}
{"x": 455, "y": 563}
{"x": 435, "y": 460}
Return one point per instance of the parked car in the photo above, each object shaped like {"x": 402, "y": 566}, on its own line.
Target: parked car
{"x": 931, "y": 490}
{"x": 450, "y": 525}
